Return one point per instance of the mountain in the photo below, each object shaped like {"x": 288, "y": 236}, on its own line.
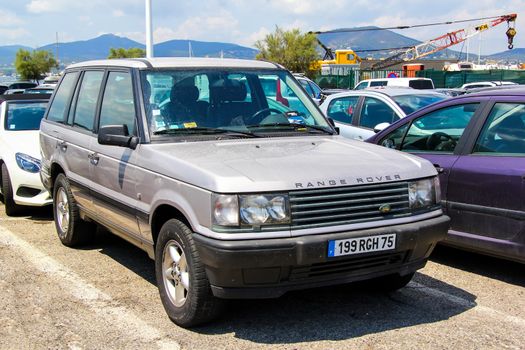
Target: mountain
{"x": 8, "y": 53}
{"x": 96, "y": 48}
{"x": 517, "y": 54}
{"x": 182, "y": 48}
{"x": 362, "y": 39}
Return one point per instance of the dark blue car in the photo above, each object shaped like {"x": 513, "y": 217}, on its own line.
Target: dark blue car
{"x": 477, "y": 144}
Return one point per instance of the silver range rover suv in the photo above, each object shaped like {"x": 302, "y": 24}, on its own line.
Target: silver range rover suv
{"x": 228, "y": 175}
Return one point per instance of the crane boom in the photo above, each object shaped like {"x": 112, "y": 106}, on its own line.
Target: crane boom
{"x": 444, "y": 41}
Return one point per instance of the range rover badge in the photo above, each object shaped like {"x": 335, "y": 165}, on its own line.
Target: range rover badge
{"x": 385, "y": 208}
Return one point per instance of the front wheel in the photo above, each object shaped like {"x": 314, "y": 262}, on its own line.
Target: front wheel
{"x": 11, "y": 208}
{"x": 71, "y": 229}
{"x": 183, "y": 286}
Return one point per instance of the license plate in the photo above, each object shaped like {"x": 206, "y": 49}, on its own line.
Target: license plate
{"x": 360, "y": 245}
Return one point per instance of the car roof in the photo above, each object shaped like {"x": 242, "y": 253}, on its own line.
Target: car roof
{"x": 178, "y": 62}
{"x": 24, "y": 97}
{"x": 402, "y": 79}
{"x": 387, "y": 91}
{"x": 508, "y": 90}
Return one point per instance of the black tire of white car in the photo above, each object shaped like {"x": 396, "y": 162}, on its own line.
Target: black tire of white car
{"x": 179, "y": 271}
{"x": 71, "y": 229}
{"x": 11, "y": 208}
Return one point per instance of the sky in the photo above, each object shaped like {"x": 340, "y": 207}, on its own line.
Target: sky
{"x": 35, "y": 23}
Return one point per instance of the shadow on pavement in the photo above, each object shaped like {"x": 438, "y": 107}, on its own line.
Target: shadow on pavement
{"x": 342, "y": 312}
{"x": 495, "y": 268}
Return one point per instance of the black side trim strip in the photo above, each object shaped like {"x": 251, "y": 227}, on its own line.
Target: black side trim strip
{"x": 508, "y": 213}
{"x": 112, "y": 202}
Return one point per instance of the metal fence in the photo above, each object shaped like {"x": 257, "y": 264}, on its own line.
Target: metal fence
{"x": 441, "y": 79}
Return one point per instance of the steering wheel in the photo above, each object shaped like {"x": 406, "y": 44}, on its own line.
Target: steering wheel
{"x": 436, "y": 139}
{"x": 257, "y": 117}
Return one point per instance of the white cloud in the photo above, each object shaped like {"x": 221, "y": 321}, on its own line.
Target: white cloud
{"x": 42, "y": 6}
{"x": 13, "y": 34}
{"x": 9, "y": 19}
{"x": 118, "y": 13}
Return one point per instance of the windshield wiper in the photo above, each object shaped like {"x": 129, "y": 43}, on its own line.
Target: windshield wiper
{"x": 293, "y": 126}
{"x": 204, "y": 131}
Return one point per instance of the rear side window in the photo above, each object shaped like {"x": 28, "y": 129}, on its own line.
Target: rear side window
{"x": 375, "y": 112}
{"x": 378, "y": 83}
{"x": 62, "y": 96}
{"x": 118, "y": 105}
{"x": 24, "y": 115}
{"x": 361, "y": 86}
{"x": 421, "y": 84}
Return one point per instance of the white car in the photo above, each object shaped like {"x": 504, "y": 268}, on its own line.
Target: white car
{"x": 415, "y": 83}
{"x": 483, "y": 84}
{"x": 359, "y": 114}
{"x": 20, "y": 117}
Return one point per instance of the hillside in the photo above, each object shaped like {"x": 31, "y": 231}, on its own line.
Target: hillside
{"x": 8, "y": 53}
{"x": 361, "y": 39}
{"x": 98, "y": 48}
{"x": 516, "y": 54}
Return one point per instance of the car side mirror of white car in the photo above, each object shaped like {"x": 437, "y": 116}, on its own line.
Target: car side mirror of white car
{"x": 380, "y": 127}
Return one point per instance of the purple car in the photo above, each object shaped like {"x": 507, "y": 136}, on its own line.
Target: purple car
{"x": 477, "y": 144}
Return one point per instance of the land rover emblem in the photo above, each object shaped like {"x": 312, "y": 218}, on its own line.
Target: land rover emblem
{"x": 385, "y": 208}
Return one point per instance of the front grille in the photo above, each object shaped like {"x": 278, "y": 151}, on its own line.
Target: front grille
{"x": 348, "y": 205}
{"x": 347, "y": 266}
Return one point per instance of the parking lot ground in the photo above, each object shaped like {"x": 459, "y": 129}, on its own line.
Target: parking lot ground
{"x": 104, "y": 296}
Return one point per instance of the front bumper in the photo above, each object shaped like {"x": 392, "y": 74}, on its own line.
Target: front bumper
{"x": 271, "y": 267}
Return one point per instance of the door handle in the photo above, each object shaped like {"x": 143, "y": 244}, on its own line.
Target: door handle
{"x": 63, "y": 146}
{"x": 93, "y": 158}
{"x": 439, "y": 169}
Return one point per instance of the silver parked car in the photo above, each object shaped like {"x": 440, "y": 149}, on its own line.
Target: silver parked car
{"x": 230, "y": 191}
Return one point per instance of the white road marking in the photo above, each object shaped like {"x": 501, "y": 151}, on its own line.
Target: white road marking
{"x": 96, "y": 300}
{"x": 468, "y": 304}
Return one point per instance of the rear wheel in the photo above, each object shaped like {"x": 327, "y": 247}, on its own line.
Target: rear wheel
{"x": 183, "y": 286}
{"x": 11, "y": 208}
{"x": 71, "y": 229}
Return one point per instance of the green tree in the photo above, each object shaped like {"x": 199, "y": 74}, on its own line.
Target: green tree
{"x": 134, "y": 52}
{"x": 33, "y": 65}
{"x": 292, "y": 49}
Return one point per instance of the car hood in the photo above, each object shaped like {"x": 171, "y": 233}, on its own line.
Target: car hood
{"x": 275, "y": 164}
{"x": 22, "y": 141}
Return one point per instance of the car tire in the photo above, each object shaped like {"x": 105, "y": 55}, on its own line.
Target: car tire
{"x": 71, "y": 229}
{"x": 11, "y": 208}
{"x": 181, "y": 278}
{"x": 390, "y": 283}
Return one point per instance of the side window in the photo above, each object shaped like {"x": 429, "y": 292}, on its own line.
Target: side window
{"x": 317, "y": 90}
{"x": 504, "y": 130}
{"x": 342, "y": 109}
{"x": 307, "y": 87}
{"x": 59, "y": 103}
{"x": 394, "y": 139}
{"x": 118, "y": 105}
{"x": 86, "y": 104}
{"x": 375, "y": 112}
{"x": 362, "y": 85}
{"x": 203, "y": 84}
{"x": 378, "y": 83}
{"x": 439, "y": 131}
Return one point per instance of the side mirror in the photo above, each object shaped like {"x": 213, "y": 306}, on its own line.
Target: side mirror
{"x": 117, "y": 135}
{"x": 380, "y": 127}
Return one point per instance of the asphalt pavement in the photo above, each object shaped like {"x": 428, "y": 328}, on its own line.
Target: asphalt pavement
{"x": 104, "y": 296}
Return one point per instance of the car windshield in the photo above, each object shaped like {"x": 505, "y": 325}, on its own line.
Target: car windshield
{"x": 411, "y": 103}
{"x": 208, "y": 102}
{"x": 24, "y": 115}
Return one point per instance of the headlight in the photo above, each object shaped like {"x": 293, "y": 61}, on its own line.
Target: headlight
{"x": 27, "y": 163}
{"x": 225, "y": 210}
{"x": 422, "y": 193}
{"x": 256, "y": 210}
